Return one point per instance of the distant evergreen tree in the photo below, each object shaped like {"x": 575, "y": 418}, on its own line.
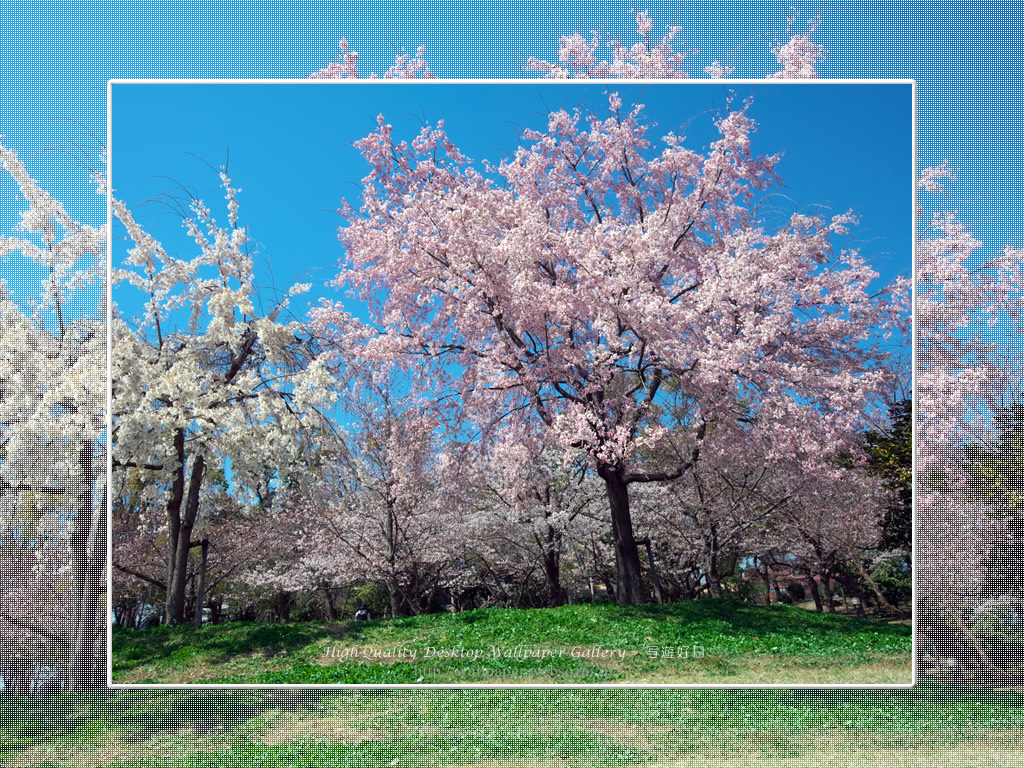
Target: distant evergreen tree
{"x": 891, "y": 455}
{"x": 999, "y": 485}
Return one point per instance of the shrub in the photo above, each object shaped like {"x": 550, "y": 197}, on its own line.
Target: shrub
{"x": 892, "y": 575}
{"x": 796, "y": 590}
{"x": 374, "y": 595}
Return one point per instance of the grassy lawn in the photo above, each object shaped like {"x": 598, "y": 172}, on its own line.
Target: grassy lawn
{"x": 710, "y": 642}
{"x": 926, "y": 726}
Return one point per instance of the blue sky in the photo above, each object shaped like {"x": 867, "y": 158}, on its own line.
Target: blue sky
{"x": 289, "y": 148}
{"x": 55, "y": 59}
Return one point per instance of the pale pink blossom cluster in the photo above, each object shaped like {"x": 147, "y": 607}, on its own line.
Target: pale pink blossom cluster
{"x": 960, "y": 376}
{"x": 405, "y": 66}
{"x": 379, "y": 507}
{"x": 578, "y": 57}
{"x": 540, "y": 287}
{"x": 798, "y": 57}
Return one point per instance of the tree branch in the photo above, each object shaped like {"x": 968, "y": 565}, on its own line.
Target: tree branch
{"x": 43, "y": 631}
{"x": 655, "y": 477}
{"x": 133, "y": 465}
{"x": 138, "y": 575}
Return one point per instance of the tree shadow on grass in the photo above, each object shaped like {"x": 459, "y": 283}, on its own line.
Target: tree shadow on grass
{"x": 273, "y": 640}
{"x": 82, "y": 719}
{"x": 200, "y": 712}
{"x": 222, "y": 642}
{"x": 142, "y": 645}
{"x": 60, "y": 716}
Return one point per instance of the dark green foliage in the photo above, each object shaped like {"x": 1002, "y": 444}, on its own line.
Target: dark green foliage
{"x": 999, "y": 623}
{"x": 796, "y": 590}
{"x": 375, "y": 596}
{"x": 891, "y": 456}
{"x": 894, "y": 578}
{"x": 998, "y": 471}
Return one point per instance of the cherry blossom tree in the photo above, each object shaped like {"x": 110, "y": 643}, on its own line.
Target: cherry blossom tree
{"x": 593, "y": 275}
{"x": 205, "y": 378}
{"x": 957, "y": 377}
{"x": 36, "y": 581}
{"x": 962, "y": 380}
{"x": 138, "y": 552}
{"x": 719, "y": 512}
{"x": 52, "y": 426}
{"x": 236, "y": 535}
{"x": 300, "y": 554}
{"x": 824, "y": 526}
{"x": 373, "y": 509}
{"x": 530, "y": 505}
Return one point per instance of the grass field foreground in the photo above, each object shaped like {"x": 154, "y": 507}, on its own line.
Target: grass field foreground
{"x": 926, "y": 726}
{"x": 702, "y": 642}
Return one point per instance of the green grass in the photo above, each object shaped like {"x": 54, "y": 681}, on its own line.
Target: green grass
{"x": 723, "y": 642}
{"x": 928, "y": 726}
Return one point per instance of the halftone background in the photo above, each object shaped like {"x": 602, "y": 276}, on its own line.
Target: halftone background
{"x": 54, "y": 64}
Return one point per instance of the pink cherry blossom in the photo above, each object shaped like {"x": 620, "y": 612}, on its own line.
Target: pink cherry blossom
{"x": 588, "y": 271}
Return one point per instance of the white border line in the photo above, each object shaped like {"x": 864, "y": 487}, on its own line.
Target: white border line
{"x": 540, "y": 82}
{"x": 914, "y": 570}
{"x": 109, "y": 607}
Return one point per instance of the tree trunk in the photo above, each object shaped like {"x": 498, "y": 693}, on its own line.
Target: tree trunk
{"x": 659, "y": 595}
{"x": 330, "y": 596}
{"x": 763, "y": 577}
{"x": 284, "y": 607}
{"x": 812, "y": 585}
{"x": 852, "y": 591}
{"x": 556, "y": 595}
{"x": 763, "y": 574}
{"x": 629, "y": 574}
{"x": 826, "y": 587}
{"x": 88, "y": 561}
{"x": 180, "y": 531}
{"x": 396, "y": 599}
{"x": 344, "y": 606}
{"x": 711, "y": 565}
{"x": 174, "y": 501}
{"x": 773, "y": 583}
{"x": 201, "y": 588}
